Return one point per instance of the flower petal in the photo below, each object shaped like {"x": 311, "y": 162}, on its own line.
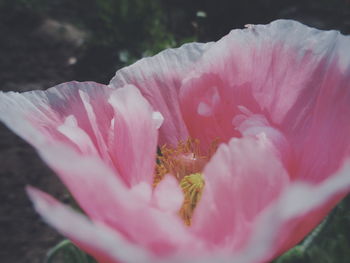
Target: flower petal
{"x": 159, "y": 79}
{"x": 106, "y": 199}
{"x": 265, "y": 62}
{"x": 168, "y": 195}
{"x": 297, "y": 77}
{"x": 208, "y": 105}
{"x": 275, "y": 227}
{"x": 102, "y": 242}
{"x": 91, "y": 118}
{"x": 133, "y": 144}
{"x": 320, "y": 121}
{"x": 241, "y": 180}
{"x": 299, "y": 208}
{"x": 60, "y": 124}
{"x": 63, "y": 114}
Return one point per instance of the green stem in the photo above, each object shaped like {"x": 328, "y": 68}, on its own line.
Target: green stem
{"x": 69, "y": 251}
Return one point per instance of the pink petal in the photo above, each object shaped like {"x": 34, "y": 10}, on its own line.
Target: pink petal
{"x": 63, "y": 114}
{"x": 168, "y": 195}
{"x": 273, "y": 64}
{"x": 133, "y": 144}
{"x": 322, "y": 125}
{"x": 297, "y": 77}
{"x": 209, "y": 104}
{"x": 159, "y": 79}
{"x": 249, "y": 124}
{"x": 242, "y": 179}
{"x": 87, "y": 116}
{"x": 61, "y": 126}
{"x": 299, "y": 208}
{"x": 102, "y": 242}
{"x": 105, "y": 199}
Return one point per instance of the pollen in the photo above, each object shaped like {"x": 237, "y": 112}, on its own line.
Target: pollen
{"x": 185, "y": 162}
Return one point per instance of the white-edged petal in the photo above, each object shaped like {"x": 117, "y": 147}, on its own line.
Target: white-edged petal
{"x": 159, "y": 79}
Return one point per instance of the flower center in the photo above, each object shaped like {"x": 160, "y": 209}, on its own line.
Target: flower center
{"x": 186, "y": 163}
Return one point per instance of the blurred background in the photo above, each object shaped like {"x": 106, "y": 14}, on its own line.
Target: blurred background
{"x": 47, "y": 42}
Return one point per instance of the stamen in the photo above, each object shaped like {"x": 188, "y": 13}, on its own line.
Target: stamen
{"x": 186, "y": 163}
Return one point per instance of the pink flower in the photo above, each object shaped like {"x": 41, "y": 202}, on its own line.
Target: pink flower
{"x": 254, "y": 144}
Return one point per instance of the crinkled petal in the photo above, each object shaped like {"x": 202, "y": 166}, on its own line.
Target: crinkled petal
{"x": 119, "y": 127}
{"x": 56, "y": 115}
{"x": 241, "y": 180}
{"x": 296, "y": 76}
{"x": 159, "y": 79}
{"x": 65, "y": 114}
{"x": 209, "y": 105}
{"x": 60, "y": 124}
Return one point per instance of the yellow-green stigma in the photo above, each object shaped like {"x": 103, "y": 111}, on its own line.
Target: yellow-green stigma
{"x": 192, "y": 186}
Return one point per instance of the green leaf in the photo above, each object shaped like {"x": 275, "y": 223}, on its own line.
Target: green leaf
{"x": 327, "y": 243}
{"x": 67, "y": 252}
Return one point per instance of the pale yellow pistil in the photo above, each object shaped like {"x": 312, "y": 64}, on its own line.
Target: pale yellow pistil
{"x": 185, "y": 163}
